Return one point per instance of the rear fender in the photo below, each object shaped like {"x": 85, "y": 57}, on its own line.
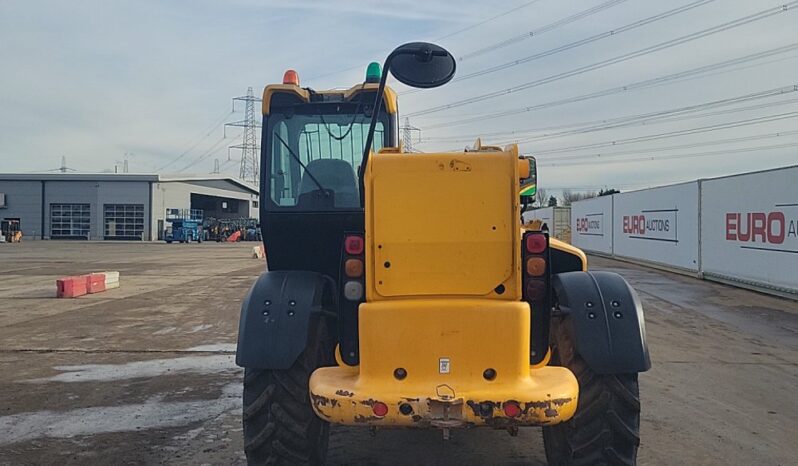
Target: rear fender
{"x": 276, "y": 316}
{"x": 606, "y": 321}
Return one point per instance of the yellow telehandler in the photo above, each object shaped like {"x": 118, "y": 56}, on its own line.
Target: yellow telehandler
{"x": 403, "y": 290}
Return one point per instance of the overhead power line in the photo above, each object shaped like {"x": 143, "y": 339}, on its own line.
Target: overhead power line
{"x": 640, "y": 118}
{"x": 670, "y": 134}
{"x": 652, "y": 121}
{"x": 453, "y": 33}
{"x": 549, "y": 27}
{"x": 485, "y": 21}
{"x": 611, "y": 61}
{"x": 663, "y": 120}
{"x": 203, "y": 136}
{"x": 604, "y": 35}
{"x": 631, "y": 86}
{"x": 714, "y": 142}
{"x": 205, "y": 155}
{"x": 677, "y": 156}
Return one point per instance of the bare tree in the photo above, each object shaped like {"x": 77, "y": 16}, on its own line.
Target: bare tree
{"x": 541, "y": 197}
{"x": 569, "y": 197}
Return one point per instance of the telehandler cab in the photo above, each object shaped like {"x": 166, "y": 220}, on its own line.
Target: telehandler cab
{"x": 403, "y": 290}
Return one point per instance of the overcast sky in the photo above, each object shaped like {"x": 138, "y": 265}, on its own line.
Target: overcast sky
{"x": 93, "y": 80}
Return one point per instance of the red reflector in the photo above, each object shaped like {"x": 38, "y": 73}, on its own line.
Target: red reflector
{"x": 379, "y": 408}
{"x": 353, "y": 245}
{"x": 535, "y": 244}
{"x": 512, "y": 409}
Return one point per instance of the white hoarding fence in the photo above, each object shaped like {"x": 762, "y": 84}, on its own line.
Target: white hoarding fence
{"x": 658, "y": 225}
{"x": 749, "y": 228}
{"x": 740, "y": 228}
{"x": 591, "y": 224}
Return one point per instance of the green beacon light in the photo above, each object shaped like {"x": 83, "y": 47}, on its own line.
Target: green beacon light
{"x": 373, "y": 72}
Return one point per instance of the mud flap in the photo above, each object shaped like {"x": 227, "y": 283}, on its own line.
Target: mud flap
{"x": 275, "y": 316}
{"x": 606, "y": 320}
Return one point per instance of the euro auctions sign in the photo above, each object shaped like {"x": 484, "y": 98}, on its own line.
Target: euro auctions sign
{"x": 654, "y": 225}
{"x": 591, "y": 224}
{"x": 749, "y": 228}
{"x": 658, "y": 225}
{"x": 776, "y": 230}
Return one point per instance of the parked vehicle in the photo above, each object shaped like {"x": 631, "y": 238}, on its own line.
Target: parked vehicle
{"x": 185, "y": 226}
{"x": 10, "y": 231}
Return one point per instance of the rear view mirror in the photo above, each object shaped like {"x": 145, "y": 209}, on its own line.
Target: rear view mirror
{"x": 422, "y": 65}
{"x": 529, "y": 179}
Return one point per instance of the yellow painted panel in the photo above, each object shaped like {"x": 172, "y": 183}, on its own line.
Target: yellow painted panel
{"x": 470, "y": 335}
{"x": 473, "y": 334}
{"x": 443, "y": 224}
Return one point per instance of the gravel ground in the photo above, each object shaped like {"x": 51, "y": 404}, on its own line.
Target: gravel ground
{"x": 145, "y": 373}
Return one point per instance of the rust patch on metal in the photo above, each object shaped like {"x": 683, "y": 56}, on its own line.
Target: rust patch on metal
{"x": 370, "y": 402}
{"x": 474, "y": 407}
{"x": 319, "y": 401}
{"x": 485, "y": 410}
{"x": 546, "y": 405}
{"x": 416, "y": 418}
{"x": 409, "y": 399}
{"x": 344, "y": 393}
{"x": 321, "y": 413}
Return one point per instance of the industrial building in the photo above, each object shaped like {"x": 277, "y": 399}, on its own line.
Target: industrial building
{"x": 116, "y": 206}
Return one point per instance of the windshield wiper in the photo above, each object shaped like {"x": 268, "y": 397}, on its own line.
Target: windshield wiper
{"x": 302, "y": 164}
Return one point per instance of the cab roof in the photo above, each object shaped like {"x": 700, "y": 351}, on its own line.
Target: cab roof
{"x": 346, "y": 95}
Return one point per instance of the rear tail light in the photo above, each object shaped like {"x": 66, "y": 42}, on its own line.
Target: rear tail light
{"x": 353, "y": 268}
{"x": 536, "y": 279}
{"x": 535, "y": 291}
{"x": 536, "y": 243}
{"x": 535, "y": 258}
{"x": 353, "y": 291}
{"x": 353, "y": 245}
{"x": 535, "y": 266}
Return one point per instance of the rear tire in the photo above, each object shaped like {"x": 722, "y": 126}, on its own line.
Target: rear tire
{"x": 606, "y": 426}
{"x": 280, "y": 426}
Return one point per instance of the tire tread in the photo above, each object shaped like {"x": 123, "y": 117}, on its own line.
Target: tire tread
{"x": 606, "y": 426}
{"x": 280, "y": 427}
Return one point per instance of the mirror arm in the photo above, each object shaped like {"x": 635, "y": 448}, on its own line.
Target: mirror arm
{"x": 375, "y": 111}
